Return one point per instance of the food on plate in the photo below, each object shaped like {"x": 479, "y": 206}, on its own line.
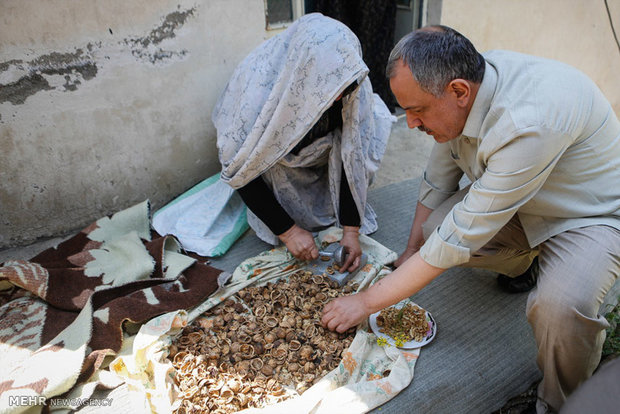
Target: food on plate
{"x": 405, "y": 324}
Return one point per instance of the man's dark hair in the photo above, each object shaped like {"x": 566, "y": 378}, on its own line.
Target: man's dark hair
{"x": 437, "y": 55}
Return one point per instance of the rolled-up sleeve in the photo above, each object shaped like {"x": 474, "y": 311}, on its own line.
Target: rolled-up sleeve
{"x": 441, "y": 178}
{"x": 442, "y": 254}
{"x": 514, "y": 173}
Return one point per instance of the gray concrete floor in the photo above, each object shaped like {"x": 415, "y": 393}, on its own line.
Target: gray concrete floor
{"x": 405, "y": 158}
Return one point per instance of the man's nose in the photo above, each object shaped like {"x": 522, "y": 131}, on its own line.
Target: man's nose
{"x": 413, "y": 122}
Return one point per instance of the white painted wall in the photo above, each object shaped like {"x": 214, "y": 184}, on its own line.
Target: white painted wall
{"x": 576, "y": 32}
{"x": 105, "y": 104}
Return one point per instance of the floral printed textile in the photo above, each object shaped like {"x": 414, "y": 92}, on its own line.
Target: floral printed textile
{"x": 275, "y": 96}
{"x": 368, "y": 375}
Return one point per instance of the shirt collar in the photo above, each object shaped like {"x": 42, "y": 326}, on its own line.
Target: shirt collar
{"x": 482, "y": 103}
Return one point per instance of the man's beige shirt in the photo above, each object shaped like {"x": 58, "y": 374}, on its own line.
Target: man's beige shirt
{"x": 541, "y": 141}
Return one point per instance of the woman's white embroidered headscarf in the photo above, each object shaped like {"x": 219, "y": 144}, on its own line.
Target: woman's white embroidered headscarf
{"x": 275, "y": 96}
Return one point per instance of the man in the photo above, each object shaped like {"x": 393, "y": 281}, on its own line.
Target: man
{"x": 541, "y": 145}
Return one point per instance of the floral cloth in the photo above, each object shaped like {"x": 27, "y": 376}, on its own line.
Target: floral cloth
{"x": 275, "y": 96}
{"x": 368, "y": 375}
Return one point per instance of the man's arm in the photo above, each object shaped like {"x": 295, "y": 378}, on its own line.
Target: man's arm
{"x": 413, "y": 273}
{"x": 416, "y": 237}
{"x": 440, "y": 181}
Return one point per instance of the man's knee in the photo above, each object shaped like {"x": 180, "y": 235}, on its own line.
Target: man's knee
{"x": 560, "y": 312}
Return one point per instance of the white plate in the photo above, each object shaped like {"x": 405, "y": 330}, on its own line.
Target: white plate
{"x": 407, "y": 345}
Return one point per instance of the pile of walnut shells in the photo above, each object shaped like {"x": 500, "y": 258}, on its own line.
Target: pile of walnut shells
{"x": 263, "y": 345}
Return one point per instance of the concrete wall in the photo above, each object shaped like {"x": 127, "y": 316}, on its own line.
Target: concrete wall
{"x": 573, "y": 31}
{"x": 106, "y": 103}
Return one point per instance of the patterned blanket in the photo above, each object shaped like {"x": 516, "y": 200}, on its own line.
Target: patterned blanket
{"x": 66, "y": 309}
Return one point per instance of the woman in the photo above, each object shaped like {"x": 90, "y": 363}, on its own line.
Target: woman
{"x": 300, "y": 135}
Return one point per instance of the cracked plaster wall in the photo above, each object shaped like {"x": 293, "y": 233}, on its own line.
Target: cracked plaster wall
{"x": 105, "y": 104}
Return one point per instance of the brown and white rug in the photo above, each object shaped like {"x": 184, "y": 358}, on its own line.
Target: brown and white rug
{"x": 63, "y": 311}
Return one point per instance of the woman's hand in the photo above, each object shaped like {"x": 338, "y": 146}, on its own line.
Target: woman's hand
{"x": 300, "y": 243}
{"x": 344, "y": 312}
{"x": 350, "y": 241}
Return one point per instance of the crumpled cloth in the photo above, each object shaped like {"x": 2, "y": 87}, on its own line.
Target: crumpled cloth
{"x": 207, "y": 219}
{"x": 368, "y": 376}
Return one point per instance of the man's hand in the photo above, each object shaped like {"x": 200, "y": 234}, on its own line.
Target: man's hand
{"x": 300, "y": 243}
{"x": 342, "y": 313}
{"x": 345, "y": 312}
{"x": 404, "y": 256}
{"x": 350, "y": 241}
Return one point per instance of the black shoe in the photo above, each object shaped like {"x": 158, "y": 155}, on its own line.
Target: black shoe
{"x": 522, "y": 283}
{"x": 524, "y": 403}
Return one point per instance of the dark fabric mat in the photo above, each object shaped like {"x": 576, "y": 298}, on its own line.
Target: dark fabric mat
{"x": 484, "y": 352}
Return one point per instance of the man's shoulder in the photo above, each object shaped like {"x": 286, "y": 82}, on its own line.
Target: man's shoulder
{"x": 533, "y": 90}
{"x": 507, "y": 59}
{"x": 505, "y": 54}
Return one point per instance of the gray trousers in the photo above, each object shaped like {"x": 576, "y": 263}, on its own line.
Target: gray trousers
{"x": 577, "y": 268}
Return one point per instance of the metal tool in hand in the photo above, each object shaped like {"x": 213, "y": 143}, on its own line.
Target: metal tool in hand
{"x": 339, "y": 255}
{"x": 336, "y": 255}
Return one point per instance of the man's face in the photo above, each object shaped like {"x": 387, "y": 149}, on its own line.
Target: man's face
{"x": 443, "y": 117}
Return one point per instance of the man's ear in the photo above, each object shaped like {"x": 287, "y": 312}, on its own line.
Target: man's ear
{"x": 461, "y": 90}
